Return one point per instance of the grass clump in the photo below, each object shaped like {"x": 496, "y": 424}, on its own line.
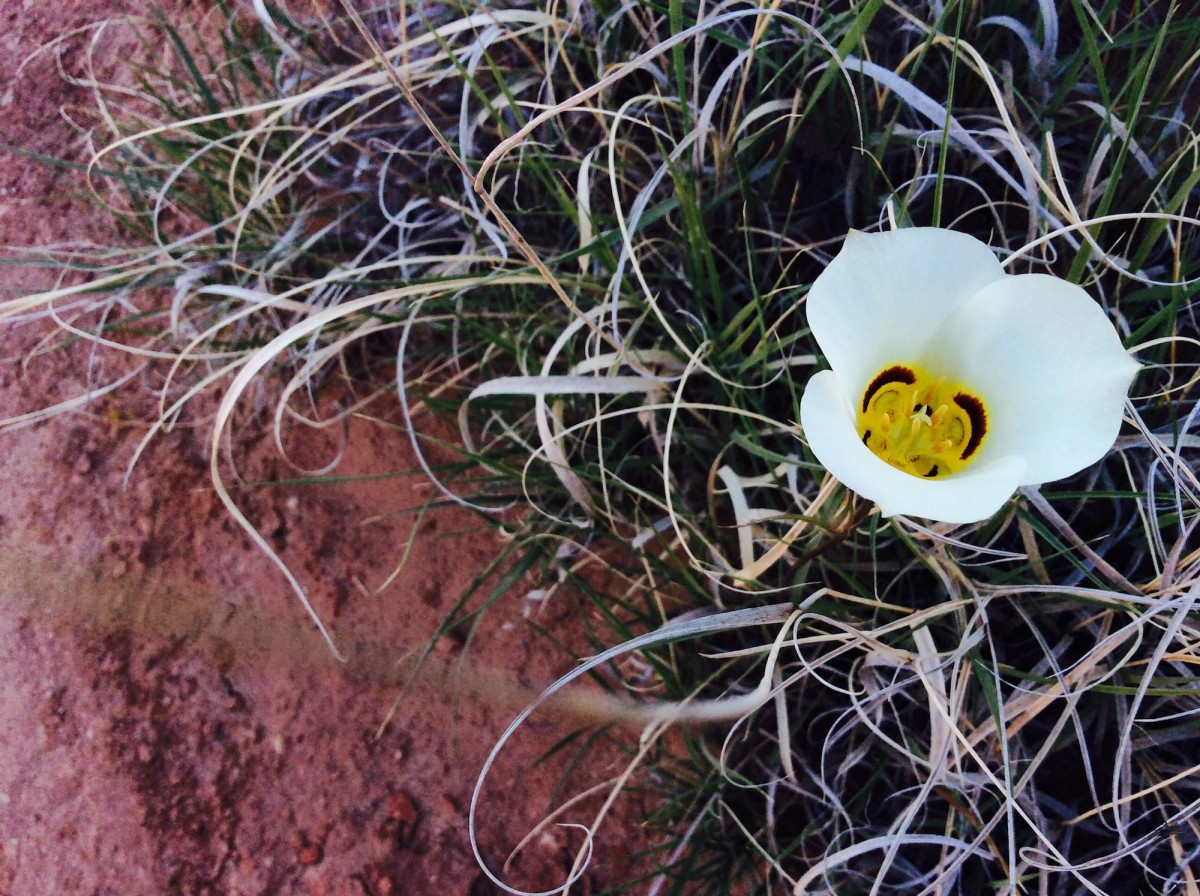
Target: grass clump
{"x": 592, "y": 244}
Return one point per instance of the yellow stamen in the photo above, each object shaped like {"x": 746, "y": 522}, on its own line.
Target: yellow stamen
{"x": 926, "y": 426}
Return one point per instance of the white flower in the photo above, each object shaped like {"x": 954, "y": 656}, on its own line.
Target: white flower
{"x": 952, "y": 383}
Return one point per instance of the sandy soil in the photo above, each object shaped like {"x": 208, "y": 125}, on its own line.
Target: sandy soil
{"x": 170, "y": 722}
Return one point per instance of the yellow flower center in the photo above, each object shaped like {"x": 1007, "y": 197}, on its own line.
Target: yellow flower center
{"x": 921, "y": 424}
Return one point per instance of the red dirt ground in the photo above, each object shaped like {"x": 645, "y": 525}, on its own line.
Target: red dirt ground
{"x": 170, "y": 722}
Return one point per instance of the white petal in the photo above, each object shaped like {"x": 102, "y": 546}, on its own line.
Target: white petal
{"x": 1049, "y": 368}
{"x": 966, "y": 497}
{"x": 883, "y": 296}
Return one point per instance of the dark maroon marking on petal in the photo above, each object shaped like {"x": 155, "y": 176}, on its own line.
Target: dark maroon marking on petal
{"x": 866, "y": 435}
{"x": 933, "y": 471}
{"x": 894, "y": 374}
{"x": 973, "y": 408}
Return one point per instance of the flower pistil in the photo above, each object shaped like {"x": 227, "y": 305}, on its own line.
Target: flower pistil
{"x": 919, "y": 423}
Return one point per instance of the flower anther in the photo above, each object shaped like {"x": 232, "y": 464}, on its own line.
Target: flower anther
{"x": 952, "y": 383}
{"x": 923, "y": 425}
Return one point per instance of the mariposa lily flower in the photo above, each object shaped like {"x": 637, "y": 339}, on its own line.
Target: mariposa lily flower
{"x": 952, "y": 383}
